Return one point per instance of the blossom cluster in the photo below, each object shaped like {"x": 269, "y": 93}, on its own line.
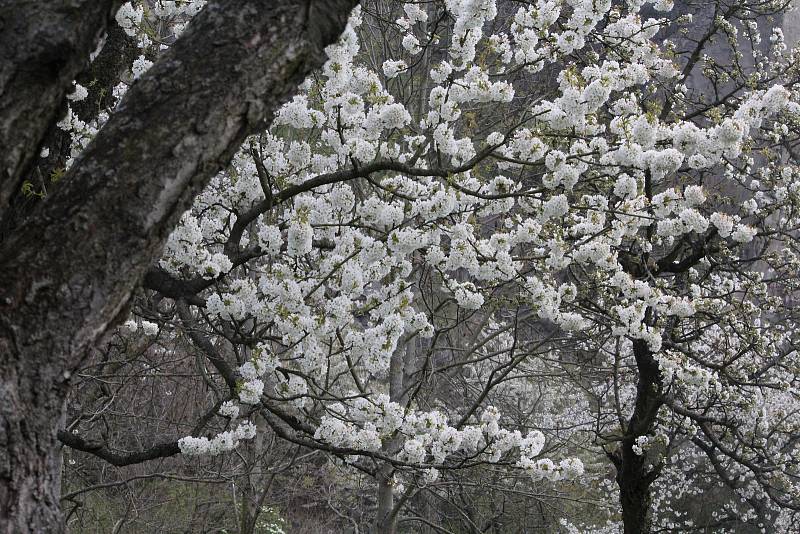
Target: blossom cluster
{"x": 600, "y": 216}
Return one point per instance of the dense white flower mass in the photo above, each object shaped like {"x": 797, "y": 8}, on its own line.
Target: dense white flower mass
{"x": 393, "y": 68}
{"x": 128, "y": 17}
{"x": 432, "y": 260}
{"x": 140, "y": 66}
{"x": 223, "y": 442}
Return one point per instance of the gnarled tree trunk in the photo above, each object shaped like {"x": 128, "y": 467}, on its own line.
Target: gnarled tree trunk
{"x": 68, "y": 273}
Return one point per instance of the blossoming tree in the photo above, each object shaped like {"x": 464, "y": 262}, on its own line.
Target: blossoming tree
{"x": 476, "y": 200}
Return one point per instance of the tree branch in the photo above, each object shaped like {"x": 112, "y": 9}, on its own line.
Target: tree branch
{"x": 161, "y": 450}
{"x": 43, "y": 47}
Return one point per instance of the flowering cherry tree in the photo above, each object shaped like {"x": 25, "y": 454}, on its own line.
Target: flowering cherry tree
{"x": 476, "y": 208}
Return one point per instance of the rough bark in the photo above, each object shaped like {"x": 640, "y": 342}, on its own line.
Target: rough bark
{"x": 634, "y": 492}
{"x": 43, "y": 46}
{"x": 118, "y": 53}
{"x": 69, "y": 272}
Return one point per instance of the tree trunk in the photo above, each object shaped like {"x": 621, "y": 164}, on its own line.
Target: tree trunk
{"x": 634, "y": 478}
{"x": 385, "y": 514}
{"x": 634, "y": 492}
{"x": 385, "y": 521}
{"x": 68, "y": 273}
{"x": 30, "y": 472}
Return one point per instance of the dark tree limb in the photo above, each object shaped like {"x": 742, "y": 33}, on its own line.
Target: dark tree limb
{"x": 167, "y": 285}
{"x": 43, "y": 46}
{"x": 698, "y": 249}
{"x": 633, "y": 476}
{"x": 101, "y": 450}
